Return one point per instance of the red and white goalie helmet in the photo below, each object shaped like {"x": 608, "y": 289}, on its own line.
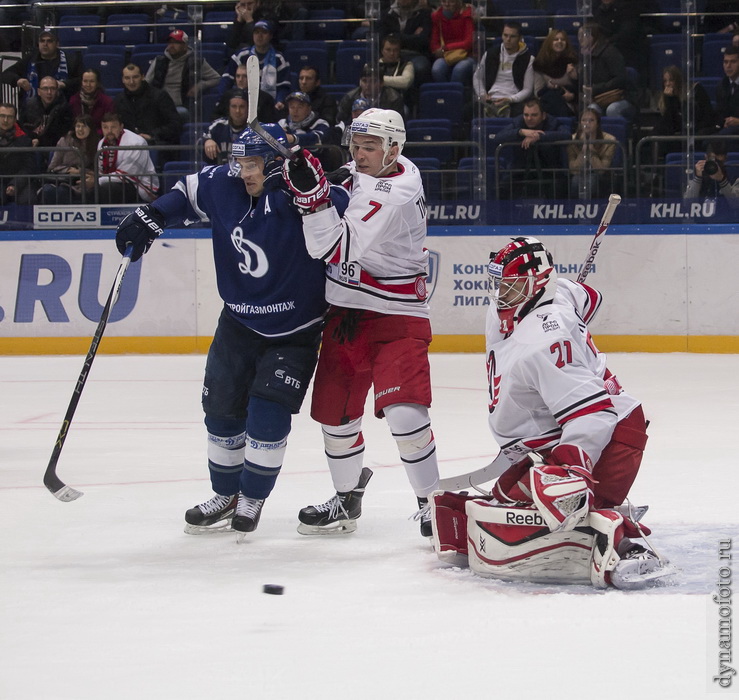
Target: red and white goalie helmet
{"x": 522, "y": 276}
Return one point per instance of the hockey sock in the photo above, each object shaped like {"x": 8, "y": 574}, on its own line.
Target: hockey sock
{"x": 344, "y": 446}
{"x": 267, "y": 427}
{"x": 225, "y": 454}
{"x": 411, "y": 428}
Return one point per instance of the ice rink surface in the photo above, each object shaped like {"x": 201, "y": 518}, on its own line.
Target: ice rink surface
{"x": 107, "y": 598}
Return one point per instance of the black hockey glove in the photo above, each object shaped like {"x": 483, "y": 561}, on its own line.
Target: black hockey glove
{"x": 339, "y": 177}
{"x": 273, "y": 175}
{"x": 140, "y": 228}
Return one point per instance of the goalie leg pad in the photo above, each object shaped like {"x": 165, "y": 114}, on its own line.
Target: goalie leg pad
{"x": 515, "y": 544}
{"x": 608, "y": 525}
{"x": 618, "y": 465}
{"x": 449, "y": 526}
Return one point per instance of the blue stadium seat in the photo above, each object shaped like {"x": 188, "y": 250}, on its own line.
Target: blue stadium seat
{"x": 338, "y": 90}
{"x": 457, "y": 87}
{"x": 127, "y": 29}
{"x": 110, "y": 66}
{"x": 430, "y": 175}
{"x": 440, "y": 104}
{"x": 427, "y": 136}
{"x": 170, "y": 21}
{"x": 425, "y": 123}
{"x": 662, "y": 53}
{"x": 534, "y": 22}
{"x": 712, "y": 55}
{"x": 142, "y": 56}
{"x": 216, "y": 25}
{"x": 348, "y": 65}
{"x": 76, "y": 30}
{"x": 465, "y": 180}
{"x": 490, "y": 127}
{"x": 675, "y": 166}
{"x": 215, "y": 59}
{"x": 564, "y": 19}
{"x": 325, "y": 24}
{"x": 299, "y": 57}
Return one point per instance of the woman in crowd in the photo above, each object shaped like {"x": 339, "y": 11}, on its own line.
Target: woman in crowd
{"x": 91, "y": 99}
{"x": 452, "y": 32}
{"x": 69, "y": 190}
{"x": 555, "y": 75}
{"x": 601, "y": 154}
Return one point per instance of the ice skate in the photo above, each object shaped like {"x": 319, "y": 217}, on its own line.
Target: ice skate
{"x": 640, "y": 568}
{"x": 338, "y": 515}
{"x": 214, "y": 515}
{"x": 423, "y": 514}
{"x": 246, "y": 517}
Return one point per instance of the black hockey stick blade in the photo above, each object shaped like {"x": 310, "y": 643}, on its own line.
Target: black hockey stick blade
{"x": 475, "y": 478}
{"x": 52, "y": 481}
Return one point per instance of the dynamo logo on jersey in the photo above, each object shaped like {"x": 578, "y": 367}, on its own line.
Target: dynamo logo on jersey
{"x": 255, "y": 259}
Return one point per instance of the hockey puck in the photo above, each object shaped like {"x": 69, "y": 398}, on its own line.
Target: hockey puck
{"x": 273, "y": 589}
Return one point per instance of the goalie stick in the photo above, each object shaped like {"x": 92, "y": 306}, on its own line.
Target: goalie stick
{"x": 500, "y": 463}
{"x": 52, "y": 482}
{"x": 252, "y": 78}
{"x": 613, "y": 201}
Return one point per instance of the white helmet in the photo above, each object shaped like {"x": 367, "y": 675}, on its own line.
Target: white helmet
{"x": 385, "y": 123}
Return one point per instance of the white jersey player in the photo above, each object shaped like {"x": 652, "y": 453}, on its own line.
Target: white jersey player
{"x": 551, "y": 393}
{"x": 377, "y": 331}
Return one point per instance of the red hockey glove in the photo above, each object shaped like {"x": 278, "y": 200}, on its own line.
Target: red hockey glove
{"x": 307, "y": 181}
{"x": 562, "y": 489}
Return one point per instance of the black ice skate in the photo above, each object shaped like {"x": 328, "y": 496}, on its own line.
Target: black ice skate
{"x": 338, "y": 515}
{"x": 424, "y": 516}
{"x": 246, "y": 518}
{"x": 212, "y": 516}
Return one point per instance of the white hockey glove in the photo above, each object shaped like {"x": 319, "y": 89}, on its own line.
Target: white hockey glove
{"x": 140, "y": 228}
{"x": 307, "y": 181}
{"x": 562, "y": 488}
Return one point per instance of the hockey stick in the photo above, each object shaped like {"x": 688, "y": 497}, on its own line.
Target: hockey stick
{"x": 252, "y": 78}
{"x": 500, "y": 463}
{"x": 480, "y": 476}
{"x": 613, "y": 201}
{"x": 52, "y": 482}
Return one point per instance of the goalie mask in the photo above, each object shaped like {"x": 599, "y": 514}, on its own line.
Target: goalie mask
{"x": 248, "y": 144}
{"x": 387, "y": 124}
{"x": 522, "y": 276}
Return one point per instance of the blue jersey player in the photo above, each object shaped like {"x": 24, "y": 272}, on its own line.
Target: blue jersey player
{"x": 265, "y": 346}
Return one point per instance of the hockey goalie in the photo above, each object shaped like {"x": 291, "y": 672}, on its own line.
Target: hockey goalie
{"x": 573, "y": 437}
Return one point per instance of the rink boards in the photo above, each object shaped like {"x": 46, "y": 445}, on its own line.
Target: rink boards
{"x": 666, "y": 288}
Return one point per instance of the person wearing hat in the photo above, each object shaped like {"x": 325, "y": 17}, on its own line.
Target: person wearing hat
{"x": 46, "y": 60}
{"x": 371, "y": 89}
{"x": 218, "y": 138}
{"x": 274, "y": 70}
{"x": 302, "y": 125}
{"x": 174, "y": 72}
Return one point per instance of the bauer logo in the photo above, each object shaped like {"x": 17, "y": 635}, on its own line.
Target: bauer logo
{"x": 63, "y": 216}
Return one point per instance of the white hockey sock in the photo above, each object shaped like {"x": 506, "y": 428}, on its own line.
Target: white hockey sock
{"x": 344, "y": 446}
{"x": 411, "y": 428}
{"x": 225, "y": 462}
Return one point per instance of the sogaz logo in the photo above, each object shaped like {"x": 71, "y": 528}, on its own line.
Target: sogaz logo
{"x": 66, "y": 216}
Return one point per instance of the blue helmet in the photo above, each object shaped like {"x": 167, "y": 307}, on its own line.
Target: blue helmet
{"x": 248, "y": 143}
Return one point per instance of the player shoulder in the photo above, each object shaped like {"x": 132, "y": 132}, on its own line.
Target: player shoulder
{"x": 398, "y": 188}
{"x": 546, "y": 324}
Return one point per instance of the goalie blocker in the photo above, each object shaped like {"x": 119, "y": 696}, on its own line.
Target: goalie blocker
{"x": 514, "y": 543}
